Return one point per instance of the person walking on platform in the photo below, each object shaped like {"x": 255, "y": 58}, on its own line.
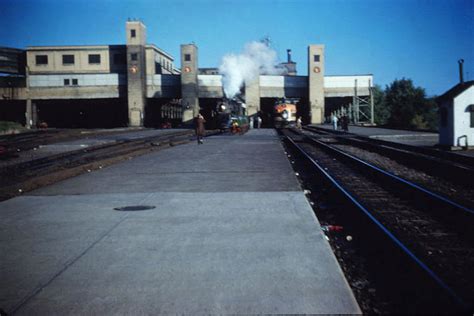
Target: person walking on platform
{"x": 334, "y": 122}
{"x": 299, "y": 123}
{"x": 199, "y": 128}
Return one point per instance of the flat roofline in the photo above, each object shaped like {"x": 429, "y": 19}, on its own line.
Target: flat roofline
{"x": 11, "y": 49}
{"x": 357, "y": 75}
{"x": 159, "y": 50}
{"x": 74, "y": 47}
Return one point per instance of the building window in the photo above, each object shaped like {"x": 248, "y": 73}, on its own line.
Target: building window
{"x": 316, "y": 58}
{"x": 187, "y": 57}
{"x": 41, "y": 59}
{"x": 158, "y": 70}
{"x": 471, "y": 109}
{"x": 134, "y": 57}
{"x": 133, "y": 33}
{"x": 66, "y": 82}
{"x": 120, "y": 59}
{"x": 68, "y": 59}
{"x": 94, "y": 59}
{"x": 74, "y": 82}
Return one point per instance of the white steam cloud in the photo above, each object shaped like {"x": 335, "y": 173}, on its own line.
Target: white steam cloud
{"x": 256, "y": 59}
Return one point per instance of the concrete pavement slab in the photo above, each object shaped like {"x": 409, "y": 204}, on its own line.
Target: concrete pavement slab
{"x": 223, "y": 238}
{"x": 224, "y": 163}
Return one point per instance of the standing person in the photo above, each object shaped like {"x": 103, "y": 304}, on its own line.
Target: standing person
{"x": 299, "y": 123}
{"x": 345, "y": 123}
{"x": 334, "y": 122}
{"x": 199, "y": 127}
{"x": 259, "y": 121}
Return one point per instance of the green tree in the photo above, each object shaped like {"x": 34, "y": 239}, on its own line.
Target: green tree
{"x": 381, "y": 111}
{"x": 431, "y": 114}
{"x": 408, "y": 105}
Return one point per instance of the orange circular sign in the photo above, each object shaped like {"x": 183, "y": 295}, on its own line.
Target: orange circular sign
{"x": 133, "y": 69}
{"x": 317, "y": 69}
{"x": 187, "y": 69}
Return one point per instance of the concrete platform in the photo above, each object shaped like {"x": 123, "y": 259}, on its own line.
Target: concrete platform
{"x": 231, "y": 233}
{"x": 414, "y": 138}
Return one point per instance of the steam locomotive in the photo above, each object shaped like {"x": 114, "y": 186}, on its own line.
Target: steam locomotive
{"x": 284, "y": 113}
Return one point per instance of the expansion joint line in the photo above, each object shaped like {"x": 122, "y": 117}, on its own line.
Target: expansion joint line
{"x": 39, "y": 288}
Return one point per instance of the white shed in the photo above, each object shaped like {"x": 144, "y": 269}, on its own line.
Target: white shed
{"x": 456, "y": 109}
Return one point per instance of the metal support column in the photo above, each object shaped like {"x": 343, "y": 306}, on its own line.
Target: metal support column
{"x": 371, "y": 91}
{"x": 363, "y": 106}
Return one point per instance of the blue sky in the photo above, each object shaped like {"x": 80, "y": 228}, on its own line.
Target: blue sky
{"x": 420, "y": 40}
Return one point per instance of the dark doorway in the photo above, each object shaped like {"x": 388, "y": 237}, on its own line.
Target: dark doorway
{"x": 163, "y": 113}
{"x": 83, "y": 113}
{"x": 13, "y": 111}
{"x": 335, "y": 103}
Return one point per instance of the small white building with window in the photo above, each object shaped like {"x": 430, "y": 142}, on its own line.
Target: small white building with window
{"x": 456, "y": 109}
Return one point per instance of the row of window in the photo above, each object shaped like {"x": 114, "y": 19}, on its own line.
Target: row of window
{"x": 67, "y": 59}
{"x": 67, "y": 82}
{"x": 119, "y": 59}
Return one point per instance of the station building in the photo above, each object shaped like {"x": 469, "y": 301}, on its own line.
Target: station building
{"x": 456, "y": 108}
{"x": 137, "y": 84}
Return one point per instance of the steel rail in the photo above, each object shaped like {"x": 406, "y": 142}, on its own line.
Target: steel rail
{"x": 384, "y": 229}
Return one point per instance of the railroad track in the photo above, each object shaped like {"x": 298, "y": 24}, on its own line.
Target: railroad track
{"x": 454, "y": 167}
{"x": 418, "y": 245}
{"x": 452, "y": 179}
{"x": 11, "y": 144}
{"x": 26, "y": 176}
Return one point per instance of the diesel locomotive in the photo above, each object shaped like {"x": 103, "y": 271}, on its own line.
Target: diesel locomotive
{"x": 284, "y": 113}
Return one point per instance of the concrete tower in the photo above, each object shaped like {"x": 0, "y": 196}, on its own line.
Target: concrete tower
{"x": 316, "y": 83}
{"x": 252, "y": 96}
{"x": 189, "y": 81}
{"x": 136, "y": 72}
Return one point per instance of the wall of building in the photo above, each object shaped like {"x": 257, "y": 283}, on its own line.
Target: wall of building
{"x": 87, "y": 92}
{"x": 89, "y": 86}
{"x": 189, "y": 81}
{"x": 252, "y": 96}
{"x": 283, "y": 86}
{"x": 13, "y": 93}
{"x": 81, "y": 60}
{"x": 462, "y": 118}
{"x": 163, "y": 86}
{"x": 137, "y": 80}
{"x": 210, "y": 86}
{"x": 57, "y": 80}
{"x": 316, "y": 66}
{"x": 136, "y": 72}
{"x": 446, "y": 131}
{"x": 343, "y": 86}
{"x": 156, "y": 56}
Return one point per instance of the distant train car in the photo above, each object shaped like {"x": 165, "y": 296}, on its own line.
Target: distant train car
{"x": 284, "y": 113}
